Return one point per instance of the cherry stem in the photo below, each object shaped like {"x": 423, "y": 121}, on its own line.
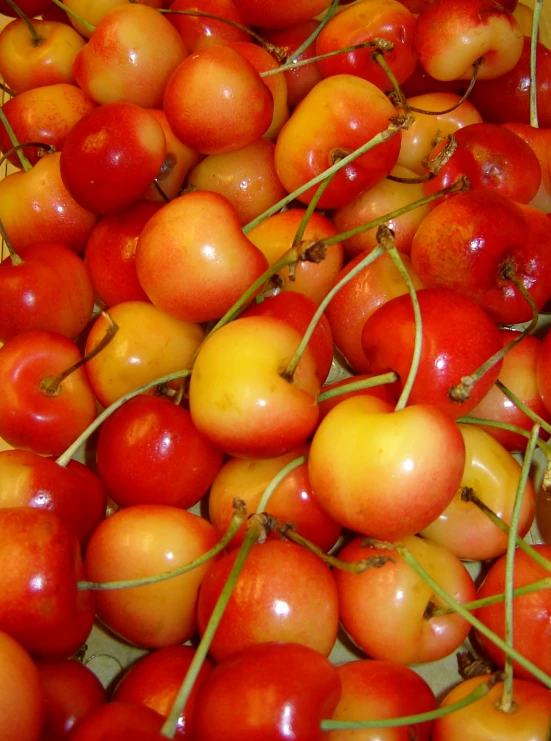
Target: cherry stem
{"x": 46, "y": 149}
{"x": 377, "y": 43}
{"x": 494, "y": 599}
{"x": 386, "y": 239}
{"x": 51, "y": 385}
{"x": 399, "y": 98}
{"x": 88, "y": 26}
{"x": 410, "y": 559}
{"x": 544, "y": 447}
{"x": 36, "y": 38}
{"x": 468, "y": 495}
{"x": 271, "y": 48}
{"x": 65, "y": 457}
{"x": 468, "y": 91}
{"x": 462, "y": 391}
{"x": 478, "y": 693}
{"x": 309, "y": 252}
{"x": 322, "y": 187}
{"x": 7, "y": 90}
{"x": 351, "y": 567}
{"x": 523, "y": 407}
{"x": 365, "y": 383}
{"x": 15, "y": 259}
{"x": 537, "y": 9}
{"x": 411, "y": 181}
{"x": 276, "y": 481}
{"x": 256, "y": 531}
{"x": 235, "y": 523}
{"x": 25, "y": 164}
{"x": 460, "y": 186}
{"x": 291, "y": 368}
{"x": 507, "y": 703}
{"x": 379, "y": 138}
{"x": 160, "y": 191}
{"x": 316, "y": 32}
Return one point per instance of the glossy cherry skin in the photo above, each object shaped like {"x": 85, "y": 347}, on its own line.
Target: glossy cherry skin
{"x": 374, "y": 689}
{"x": 292, "y": 500}
{"x": 493, "y": 157}
{"x": 298, "y": 310}
{"x": 21, "y": 694}
{"x": 198, "y": 32}
{"x": 321, "y": 130}
{"x": 484, "y": 721}
{"x": 72, "y": 691}
{"x": 451, "y": 36}
{"x": 273, "y": 15}
{"x": 111, "y": 156}
{"x": 196, "y": 240}
{"x": 507, "y": 98}
{"x": 146, "y": 540}
{"x": 387, "y": 392}
{"x": 493, "y": 475}
{"x": 543, "y": 376}
{"x": 155, "y": 679}
{"x": 373, "y": 469}
{"x": 25, "y": 65}
{"x": 30, "y": 416}
{"x": 268, "y": 603}
{"x": 447, "y": 354}
{"x": 540, "y": 141}
{"x": 43, "y": 114}
{"x": 486, "y": 234}
{"x": 130, "y": 57}
{"x": 363, "y": 22}
{"x": 117, "y": 720}
{"x": 519, "y": 374}
{"x": 38, "y": 203}
{"x": 149, "y": 452}
{"x": 40, "y": 606}
{"x": 74, "y": 493}
{"x": 299, "y": 688}
{"x": 110, "y": 253}
{"x": 50, "y": 290}
{"x": 380, "y": 602}
{"x": 531, "y": 613}
{"x": 216, "y": 102}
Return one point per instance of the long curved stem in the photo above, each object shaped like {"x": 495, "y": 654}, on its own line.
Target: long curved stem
{"x": 276, "y": 481}
{"x": 25, "y": 164}
{"x": 316, "y": 32}
{"x": 538, "y": 7}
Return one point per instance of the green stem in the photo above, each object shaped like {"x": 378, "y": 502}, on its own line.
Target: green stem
{"x": 351, "y": 567}
{"x": 477, "y": 694}
{"x": 65, "y": 457}
{"x": 7, "y": 90}
{"x": 276, "y": 481}
{"x": 25, "y": 164}
{"x": 538, "y": 7}
{"x": 467, "y": 420}
{"x": 506, "y": 703}
{"x": 303, "y": 62}
{"x": 468, "y": 91}
{"x": 254, "y": 530}
{"x": 46, "y": 149}
{"x": 494, "y": 599}
{"x": 536, "y": 419}
{"x": 291, "y": 368}
{"x": 460, "y": 186}
{"x": 385, "y": 238}
{"x": 379, "y": 138}
{"x": 235, "y": 523}
{"x": 36, "y": 38}
{"x": 400, "y": 99}
{"x": 316, "y": 32}
{"x": 365, "y": 383}
{"x": 460, "y": 610}
{"x": 468, "y": 495}
{"x": 322, "y": 187}
{"x": 88, "y": 26}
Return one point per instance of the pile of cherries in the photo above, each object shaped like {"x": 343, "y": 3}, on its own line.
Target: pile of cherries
{"x": 274, "y": 297}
